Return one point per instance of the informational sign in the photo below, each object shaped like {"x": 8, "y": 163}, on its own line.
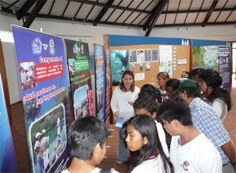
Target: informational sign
{"x": 7, "y": 152}
{"x": 224, "y": 66}
{"x": 119, "y": 64}
{"x": 166, "y": 55}
{"x": 100, "y": 80}
{"x": 43, "y": 74}
{"x": 80, "y": 79}
{"x": 213, "y": 55}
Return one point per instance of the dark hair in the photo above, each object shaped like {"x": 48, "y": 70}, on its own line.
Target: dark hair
{"x": 152, "y": 91}
{"x": 214, "y": 80}
{"x": 191, "y": 92}
{"x": 195, "y": 72}
{"x": 84, "y": 134}
{"x": 146, "y": 102}
{"x": 146, "y": 126}
{"x": 173, "y": 84}
{"x": 122, "y": 86}
{"x": 175, "y": 108}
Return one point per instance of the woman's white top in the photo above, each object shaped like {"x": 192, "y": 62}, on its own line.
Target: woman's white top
{"x": 121, "y": 102}
{"x": 96, "y": 170}
{"x": 154, "y": 165}
{"x": 220, "y": 108}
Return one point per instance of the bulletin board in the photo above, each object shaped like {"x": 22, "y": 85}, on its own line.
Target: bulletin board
{"x": 147, "y": 60}
{"x": 181, "y": 61}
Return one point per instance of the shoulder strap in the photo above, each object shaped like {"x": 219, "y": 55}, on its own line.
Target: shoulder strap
{"x": 105, "y": 170}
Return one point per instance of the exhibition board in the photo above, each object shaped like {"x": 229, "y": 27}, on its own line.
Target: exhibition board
{"x": 146, "y": 61}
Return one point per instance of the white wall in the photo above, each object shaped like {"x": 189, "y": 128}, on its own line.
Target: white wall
{"x": 88, "y": 33}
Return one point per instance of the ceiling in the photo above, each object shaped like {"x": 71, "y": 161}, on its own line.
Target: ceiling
{"x": 145, "y": 14}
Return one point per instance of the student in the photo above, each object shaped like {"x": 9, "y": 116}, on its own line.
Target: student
{"x": 162, "y": 78}
{"x": 194, "y": 74}
{"x": 191, "y": 151}
{"x": 171, "y": 87}
{"x": 87, "y": 143}
{"x": 147, "y": 106}
{"x": 122, "y": 101}
{"x": 152, "y": 91}
{"x": 142, "y": 140}
{"x": 219, "y": 98}
{"x": 207, "y": 121}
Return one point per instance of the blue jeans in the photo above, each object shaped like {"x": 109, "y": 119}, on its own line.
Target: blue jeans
{"x": 122, "y": 155}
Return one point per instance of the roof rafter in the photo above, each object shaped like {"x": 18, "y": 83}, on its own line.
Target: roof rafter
{"x": 27, "y": 5}
{"x": 213, "y": 5}
{"x": 34, "y": 13}
{"x": 155, "y": 15}
{"x": 103, "y": 12}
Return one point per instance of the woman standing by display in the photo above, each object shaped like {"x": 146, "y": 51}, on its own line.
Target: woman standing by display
{"x": 162, "y": 78}
{"x": 122, "y": 101}
{"x": 219, "y": 98}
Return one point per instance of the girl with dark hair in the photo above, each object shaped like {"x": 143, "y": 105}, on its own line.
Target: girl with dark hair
{"x": 142, "y": 140}
{"x": 219, "y": 98}
{"x": 122, "y": 101}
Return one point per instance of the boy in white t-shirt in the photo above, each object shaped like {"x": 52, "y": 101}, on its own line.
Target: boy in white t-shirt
{"x": 190, "y": 150}
{"x": 87, "y": 143}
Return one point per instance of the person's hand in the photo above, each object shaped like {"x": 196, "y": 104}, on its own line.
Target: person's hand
{"x": 115, "y": 117}
{"x": 131, "y": 103}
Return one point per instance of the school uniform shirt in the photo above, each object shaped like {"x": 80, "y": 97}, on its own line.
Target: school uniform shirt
{"x": 207, "y": 121}
{"x": 154, "y": 165}
{"x": 162, "y": 137}
{"x": 96, "y": 170}
{"x": 120, "y": 102}
{"x": 220, "y": 108}
{"x": 197, "y": 156}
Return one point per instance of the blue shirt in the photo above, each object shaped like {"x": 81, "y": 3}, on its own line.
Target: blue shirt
{"x": 207, "y": 121}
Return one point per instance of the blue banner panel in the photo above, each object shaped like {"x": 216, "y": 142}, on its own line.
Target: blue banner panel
{"x": 43, "y": 74}
{"x": 100, "y": 76}
{"x": 7, "y": 152}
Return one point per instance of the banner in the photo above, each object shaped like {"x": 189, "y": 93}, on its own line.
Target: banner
{"x": 43, "y": 79}
{"x": 224, "y": 66}
{"x": 100, "y": 80}
{"x": 7, "y": 152}
{"x": 80, "y": 80}
{"x": 108, "y": 85}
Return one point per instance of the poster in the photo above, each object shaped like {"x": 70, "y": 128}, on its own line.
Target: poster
{"x": 119, "y": 64}
{"x": 43, "y": 74}
{"x": 166, "y": 55}
{"x": 100, "y": 80}
{"x": 80, "y": 79}
{"x": 7, "y": 152}
{"x": 224, "y": 66}
{"x": 205, "y": 56}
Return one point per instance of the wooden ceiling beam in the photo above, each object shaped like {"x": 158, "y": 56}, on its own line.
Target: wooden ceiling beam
{"x": 213, "y": 5}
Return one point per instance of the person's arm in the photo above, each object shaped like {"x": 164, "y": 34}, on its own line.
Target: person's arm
{"x": 114, "y": 104}
{"x": 229, "y": 149}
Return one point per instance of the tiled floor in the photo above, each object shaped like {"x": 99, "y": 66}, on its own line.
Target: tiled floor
{"x": 19, "y": 137}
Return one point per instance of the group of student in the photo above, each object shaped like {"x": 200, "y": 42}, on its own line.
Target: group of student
{"x": 175, "y": 128}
